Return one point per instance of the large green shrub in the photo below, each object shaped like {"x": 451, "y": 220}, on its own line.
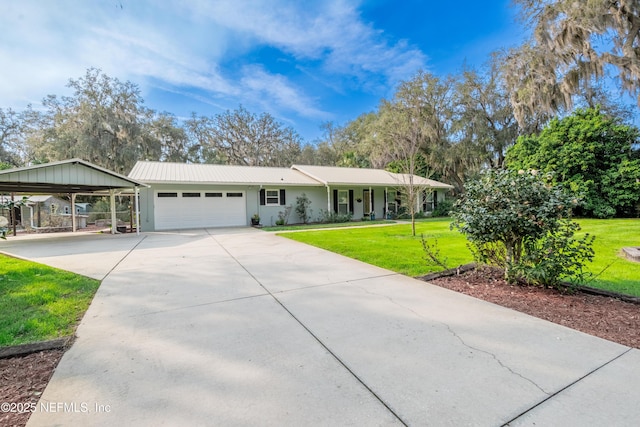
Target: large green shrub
{"x": 443, "y": 209}
{"x": 522, "y": 224}
{"x": 588, "y": 153}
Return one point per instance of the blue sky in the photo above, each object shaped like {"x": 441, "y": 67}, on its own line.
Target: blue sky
{"x": 304, "y": 62}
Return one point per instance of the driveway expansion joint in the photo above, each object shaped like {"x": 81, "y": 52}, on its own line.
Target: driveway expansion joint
{"x": 204, "y": 304}
{"x": 552, "y": 395}
{"x": 318, "y": 340}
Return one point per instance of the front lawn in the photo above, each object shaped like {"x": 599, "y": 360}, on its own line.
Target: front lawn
{"x": 38, "y": 302}
{"x": 316, "y": 226}
{"x": 394, "y": 248}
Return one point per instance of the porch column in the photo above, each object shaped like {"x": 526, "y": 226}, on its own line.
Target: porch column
{"x": 74, "y": 225}
{"x": 114, "y": 220}
{"x": 386, "y": 203}
{"x": 329, "y": 200}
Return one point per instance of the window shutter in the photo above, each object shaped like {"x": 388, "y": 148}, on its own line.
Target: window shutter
{"x": 282, "y": 201}
{"x": 435, "y": 199}
{"x": 351, "y": 201}
{"x": 335, "y": 201}
{"x": 263, "y": 197}
{"x": 372, "y": 200}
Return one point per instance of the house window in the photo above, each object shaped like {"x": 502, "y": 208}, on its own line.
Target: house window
{"x": 212, "y": 194}
{"x": 343, "y": 202}
{"x": 427, "y": 204}
{"x": 167, "y": 194}
{"x": 234, "y": 194}
{"x": 190, "y": 194}
{"x": 272, "y": 197}
{"x": 392, "y": 201}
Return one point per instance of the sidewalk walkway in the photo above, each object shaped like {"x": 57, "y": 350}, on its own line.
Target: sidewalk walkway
{"x": 242, "y": 327}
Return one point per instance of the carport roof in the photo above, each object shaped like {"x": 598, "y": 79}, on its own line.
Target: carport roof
{"x": 66, "y": 176}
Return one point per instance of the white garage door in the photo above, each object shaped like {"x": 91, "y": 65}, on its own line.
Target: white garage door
{"x": 196, "y": 209}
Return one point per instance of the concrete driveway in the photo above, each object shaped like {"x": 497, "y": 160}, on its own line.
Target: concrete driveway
{"x": 240, "y": 327}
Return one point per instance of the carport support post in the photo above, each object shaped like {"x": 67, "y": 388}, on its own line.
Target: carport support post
{"x": 74, "y": 225}
{"x": 137, "y": 203}
{"x": 114, "y": 221}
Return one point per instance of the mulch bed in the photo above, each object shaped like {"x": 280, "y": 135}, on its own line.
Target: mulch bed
{"x": 24, "y": 378}
{"x": 603, "y": 316}
{"x": 22, "y": 381}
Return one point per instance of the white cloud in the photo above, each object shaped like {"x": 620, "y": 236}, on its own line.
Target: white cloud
{"x": 330, "y": 31}
{"x": 273, "y": 90}
{"x": 176, "y": 46}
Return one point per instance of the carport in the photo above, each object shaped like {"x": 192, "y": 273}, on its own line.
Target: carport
{"x": 73, "y": 176}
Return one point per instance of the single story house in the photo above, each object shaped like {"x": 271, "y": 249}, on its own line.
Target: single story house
{"x": 182, "y": 196}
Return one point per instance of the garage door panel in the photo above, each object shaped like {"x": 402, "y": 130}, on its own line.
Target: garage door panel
{"x": 211, "y": 209}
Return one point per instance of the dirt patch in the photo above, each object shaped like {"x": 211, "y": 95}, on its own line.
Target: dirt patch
{"x": 602, "y": 316}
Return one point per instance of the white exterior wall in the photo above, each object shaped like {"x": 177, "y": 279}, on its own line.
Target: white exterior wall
{"x": 269, "y": 214}
{"x": 321, "y": 201}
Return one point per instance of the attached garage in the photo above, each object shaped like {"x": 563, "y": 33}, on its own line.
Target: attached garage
{"x": 196, "y": 209}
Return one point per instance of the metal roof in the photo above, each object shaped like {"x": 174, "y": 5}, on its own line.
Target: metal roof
{"x": 67, "y": 176}
{"x": 197, "y": 173}
{"x": 332, "y": 175}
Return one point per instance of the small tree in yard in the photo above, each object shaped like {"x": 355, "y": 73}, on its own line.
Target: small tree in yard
{"x": 302, "y": 208}
{"x": 518, "y": 222}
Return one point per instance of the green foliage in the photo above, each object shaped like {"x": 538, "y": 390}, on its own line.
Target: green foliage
{"x": 611, "y": 271}
{"x": 590, "y": 154}
{"x": 558, "y": 255}
{"x": 517, "y": 221}
{"x": 443, "y": 209}
{"x": 283, "y": 216}
{"x": 303, "y": 208}
{"x": 334, "y": 217}
{"x": 38, "y": 302}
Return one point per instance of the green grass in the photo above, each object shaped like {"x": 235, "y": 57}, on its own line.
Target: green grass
{"x": 38, "y": 302}
{"x": 620, "y": 274}
{"x": 393, "y": 248}
{"x": 320, "y": 226}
